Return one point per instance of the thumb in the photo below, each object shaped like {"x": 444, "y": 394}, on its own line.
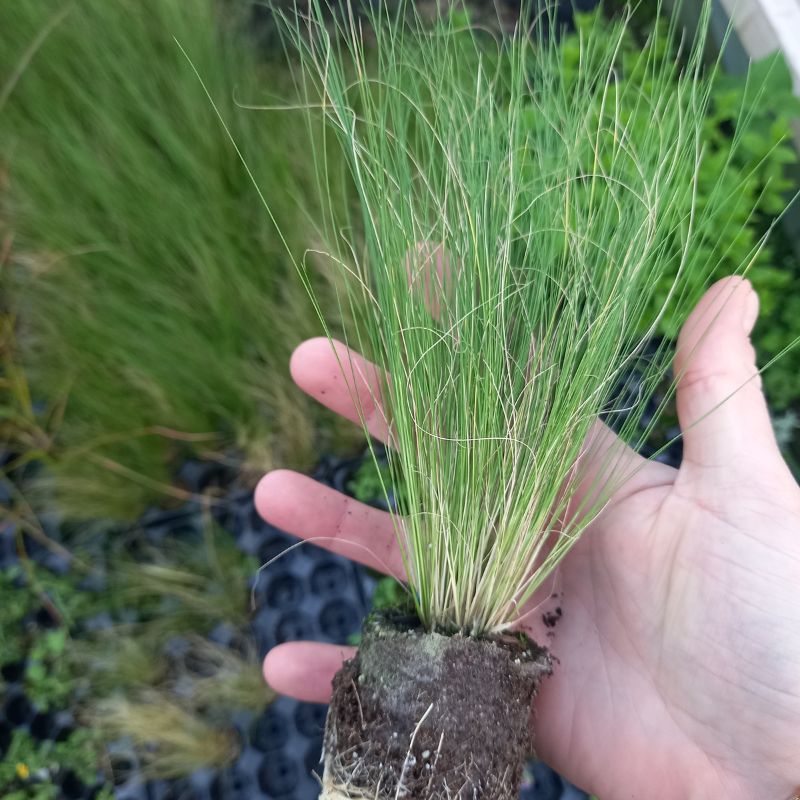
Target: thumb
{"x": 721, "y": 408}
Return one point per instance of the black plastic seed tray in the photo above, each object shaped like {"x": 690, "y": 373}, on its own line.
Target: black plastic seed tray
{"x": 302, "y": 591}
{"x": 282, "y": 758}
{"x": 542, "y": 783}
{"x": 306, "y": 594}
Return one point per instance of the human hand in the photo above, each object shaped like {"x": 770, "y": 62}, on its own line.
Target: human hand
{"x": 678, "y": 674}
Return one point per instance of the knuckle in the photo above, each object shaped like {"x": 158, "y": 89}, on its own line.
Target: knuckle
{"x": 718, "y": 384}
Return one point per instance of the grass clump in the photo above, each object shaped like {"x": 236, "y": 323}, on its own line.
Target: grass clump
{"x": 172, "y": 740}
{"x": 178, "y": 719}
{"x": 188, "y": 587}
{"x": 115, "y": 660}
{"x": 519, "y": 228}
{"x": 157, "y": 308}
{"x": 157, "y": 682}
{"x": 232, "y": 680}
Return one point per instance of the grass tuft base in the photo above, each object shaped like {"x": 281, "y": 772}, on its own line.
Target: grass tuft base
{"x": 423, "y": 715}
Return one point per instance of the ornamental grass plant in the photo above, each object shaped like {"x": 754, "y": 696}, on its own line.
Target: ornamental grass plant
{"x": 508, "y": 270}
{"x": 155, "y": 307}
{"x": 514, "y": 237}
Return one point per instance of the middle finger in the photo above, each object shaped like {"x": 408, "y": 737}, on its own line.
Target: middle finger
{"x": 303, "y": 507}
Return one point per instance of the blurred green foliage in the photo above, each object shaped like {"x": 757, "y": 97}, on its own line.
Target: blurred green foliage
{"x": 389, "y": 593}
{"x": 747, "y": 156}
{"x": 48, "y": 673}
{"x": 49, "y": 677}
{"x": 156, "y": 306}
{"x": 370, "y": 481}
{"x": 29, "y": 590}
{"x": 30, "y": 767}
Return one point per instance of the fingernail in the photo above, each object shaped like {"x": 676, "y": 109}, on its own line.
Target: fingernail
{"x": 750, "y": 312}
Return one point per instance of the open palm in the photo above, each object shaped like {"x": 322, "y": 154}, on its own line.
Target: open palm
{"x": 678, "y": 674}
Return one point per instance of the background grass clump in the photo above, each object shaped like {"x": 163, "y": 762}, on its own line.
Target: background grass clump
{"x": 156, "y": 309}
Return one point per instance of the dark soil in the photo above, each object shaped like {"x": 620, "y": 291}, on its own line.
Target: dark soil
{"x": 442, "y": 717}
{"x": 551, "y": 618}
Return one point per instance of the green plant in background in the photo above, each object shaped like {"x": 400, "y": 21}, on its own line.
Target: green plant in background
{"x": 157, "y": 308}
{"x": 373, "y": 481}
{"x": 49, "y": 676}
{"x": 78, "y": 752}
{"x": 186, "y": 588}
{"x": 15, "y": 606}
{"x": 29, "y": 767}
{"x": 24, "y": 771}
{"x": 173, "y": 740}
{"x": 27, "y": 591}
{"x": 743, "y": 181}
{"x": 37, "y": 614}
{"x": 777, "y": 330}
{"x": 389, "y": 593}
{"x": 370, "y": 481}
